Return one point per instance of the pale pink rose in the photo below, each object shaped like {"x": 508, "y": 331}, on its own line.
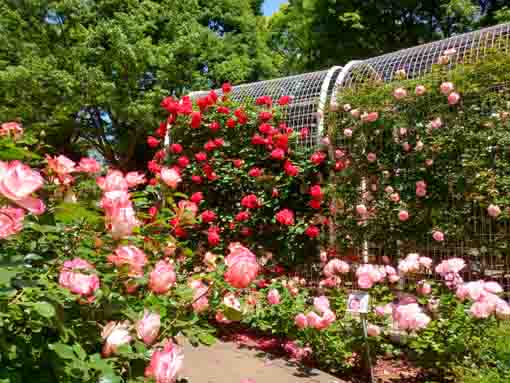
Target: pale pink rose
{"x": 348, "y": 133}
{"x": 321, "y": 304}
{"x": 71, "y": 278}
{"x": 147, "y": 328}
{"x": 355, "y": 113}
{"x": 115, "y": 334}
{"x": 328, "y": 317}
{"x": 493, "y": 210}
{"x": 436, "y": 123}
{"x": 11, "y": 221}
{"x": 403, "y": 215}
{"x": 438, "y": 236}
{"x": 493, "y": 287}
{"x": 230, "y": 300}
{"x": 162, "y": 278}
{"x": 61, "y": 164}
{"x": 11, "y": 129}
{"x": 361, "y": 209}
{"x": 113, "y": 181}
{"x": 425, "y": 262}
{"x": 371, "y": 157}
{"x": 419, "y": 146}
{"x": 388, "y": 189}
{"x": 424, "y": 288}
{"x": 200, "y": 300}
{"x": 373, "y": 330}
{"x": 313, "y": 320}
{"x": 429, "y": 162}
{"x": 165, "y": 364}
{"x": 335, "y": 267}
{"x": 420, "y": 90}
{"x": 452, "y": 265}
{"x": 395, "y": 197}
{"x": 453, "y": 98}
{"x": 88, "y": 165}
{"x": 135, "y": 178}
{"x": 446, "y": 88}
{"x": 114, "y": 200}
{"x": 503, "y": 310}
{"x": 368, "y": 275}
{"x": 273, "y": 297}
{"x": 347, "y": 107}
{"x": 402, "y": 131}
{"x": 481, "y": 309}
{"x": 242, "y": 266}
{"x": 130, "y": 256}
{"x": 189, "y": 206}
{"x": 399, "y": 93}
{"x": 301, "y": 321}
{"x": 18, "y": 181}
{"x": 325, "y": 141}
{"x": 171, "y": 177}
{"x": 122, "y": 222}
{"x": 421, "y": 192}
{"x": 410, "y": 317}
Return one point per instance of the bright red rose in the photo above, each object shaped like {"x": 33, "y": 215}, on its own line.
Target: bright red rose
{"x": 203, "y": 102}
{"x": 213, "y": 96}
{"x": 196, "y": 120}
{"x": 214, "y": 126}
{"x": 281, "y": 141}
{"x": 153, "y": 167}
{"x": 212, "y": 176}
{"x": 160, "y": 154}
{"x": 264, "y": 100}
{"x": 153, "y": 142}
{"x": 339, "y": 166}
{"x": 315, "y": 204}
{"x": 290, "y": 169}
{"x": 170, "y": 104}
{"x": 180, "y": 232}
{"x": 242, "y": 216}
{"x": 284, "y": 100}
{"x": 176, "y": 148}
{"x": 312, "y": 231}
{"x": 285, "y": 217}
{"x": 255, "y": 172}
{"x": 258, "y": 140}
{"x": 231, "y": 123}
{"x": 303, "y": 133}
{"x": 266, "y": 129}
{"x": 275, "y": 193}
{"x": 210, "y": 146}
{"x": 219, "y": 142}
{"x": 208, "y": 216}
{"x": 213, "y": 236}
{"x": 196, "y": 179}
{"x": 201, "y": 156}
{"x": 223, "y": 110}
{"x": 183, "y": 161}
{"x": 161, "y": 131}
{"x": 241, "y": 116}
{"x": 316, "y": 192}
{"x": 153, "y": 181}
{"x": 226, "y": 88}
{"x": 265, "y": 116}
{"x": 318, "y": 158}
{"x": 153, "y": 211}
{"x": 278, "y": 154}
{"x": 250, "y": 201}
{"x": 197, "y": 197}
{"x": 238, "y": 163}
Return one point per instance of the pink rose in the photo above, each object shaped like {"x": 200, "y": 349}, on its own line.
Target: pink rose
{"x": 301, "y": 321}
{"x": 453, "y": 98}
{"x": 242, "y": 266}
{"x": 493, "y": 210}
{"x": 446, "y": 88}
{"x": 420, "y": 90}
{"x": 335, "y": 267}
{"x": 285, "y": 217}
{"x": 115, "y": 335}
{"x": 171, "y": 177}
{"x": 78, "y": 283}
{"x": 371, "y": 157}
{"x": 438, "y": 236}
{"x": 361, "y": 209}
{"x": 481, "y": 309}
{"x": 88, "y": 165}
{"x": 403, "y": 215}
{"x": 11, "y": 221}
{"x": 421, "y": 192}
{"x": 61, "y": 164}
{"x": 355, "y": 113}
{"x": 147, "y": 328}
{"x": 122, "y": 221}
{"x": 165, "y": 364}
{"x": 134, "y": 179}
{"x": 348, "y": 133}
{"x": 436, "y": 123}
{"x": 273, "y": 297}
{"x": 11, "y": 129}
{"x": 369, "y": 117}
{"x": 114, "y": 180}
{"x": 162, "y": 278}
{"x": 131, "y": 256}
{"x": 200, "y": 291}
{"x": 278, "y": 154}
{"x": 399, "y": 93}
{"x": 373, "y": 330}
{"x": 18, "y": 182}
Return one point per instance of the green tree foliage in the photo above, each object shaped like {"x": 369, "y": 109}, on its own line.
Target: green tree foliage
{"x": 92, "y": 73}
{"x": 316, "y": 34}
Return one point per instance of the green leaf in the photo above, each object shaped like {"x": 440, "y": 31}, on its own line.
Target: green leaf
{"x": 44, "y": 309}
{"x": 206, "y": 338}
{"x": 74, "y": 212}
{"x": 6, "y": 275}
{"x": 78, "y": 349}
{"x": 62, "y": 350}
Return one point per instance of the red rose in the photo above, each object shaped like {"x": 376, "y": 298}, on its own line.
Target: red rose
{"x": 278, "y": 154}
{"x": 176, "y": 148}
{"x": 281, "y": 141}
{"x": 275, "y": 193}
{"x": 241, "y": 116}
{"x": 238, "y": 163}
{"x": 213, "y": 236}
{"x": 303, "y": 133}
{"x": 203, "y": 102}
{"x": 266, "y": 129}
{"x": 153, "y": 142}
{"x": 196, "y": 120}
{"x": 214, "y": 126}
{"x": 153, "y": 211}
{"x": 285, "y": 217}
{"x": 339, "y": 166}
{"x": 161, "y": 131}
{"x": 153, "y": 181}
{"x": 208, "y": 216}
{"x": 213, "y": 96}
{"x": 312, "y": 231}
{"x": 183, "y": 161}
{"x": 223, "y": 110}
{"x": 255, "y": 172}
{"x": 210, "y": 146}
{"x": 201, "y": 156}
{"x": 196, "y": 179}
{"x": 264, "y": 100}
{"x": 250, "y": 201}
{"x": 284, "y": 100}
{"x": 315, "y": 204}
{"x": 219, "y": 142}
{"x": 318, "y": 157}
{"x": 170, "y": 104}
{"x": 212, "y": 176}
{"x": 180, "y": 232}
{"x": 197, "y": 197}
{"x": 246, "y": 231}
{"x": 231, "y": 123}
{"x": 258, "y": 140}
{"x": 226, "y": 88}
{"x": 153, "y": 167}
{"x": 290, "y": 169}
{"x": 185, "y": 106}
{"x": 316, "y": 192}
{"x": 265, "y": 116}
{"x": 159, "y": 155}
{"x": 242, "y": 216}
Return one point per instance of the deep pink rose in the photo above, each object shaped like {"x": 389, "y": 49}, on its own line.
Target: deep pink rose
{"x": 285, "y": 217}
{"x": 11, "y": 221}
{"x": 78, "y": 283}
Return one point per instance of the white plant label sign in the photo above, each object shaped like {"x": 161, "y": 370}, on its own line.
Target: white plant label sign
{"x": 358, "y": 302}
